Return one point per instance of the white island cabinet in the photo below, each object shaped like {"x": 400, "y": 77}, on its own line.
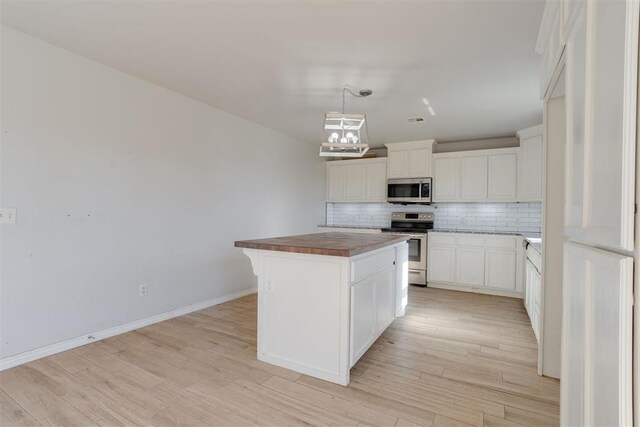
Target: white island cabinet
{"x": 323, "y": 299}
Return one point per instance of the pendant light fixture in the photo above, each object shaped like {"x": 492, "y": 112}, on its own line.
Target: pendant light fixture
{"x": 345, "y": 134}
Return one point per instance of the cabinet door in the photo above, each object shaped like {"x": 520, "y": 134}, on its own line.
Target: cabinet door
{"x": 470, "y": 266}
{"x": 336, "y": 183}
{"x": 473, "y": 178}
{"x": 597, "y": 338}
{"x": 601, "y": 94}
{"x": 530, "y": 169}
{"x": 355, "y": 182}
{"x": 376, "y": 182}
{"x": 398, "y": 163}
{"x": 363, "y": 316}
{"x": 502, "y": 177}
{"x": 441, "y": 264}
{"x": 446, "y": 184}
{"x": 501, "y": 269}
{"x": 420, "y": 162}
{"x": 385, "y": 310}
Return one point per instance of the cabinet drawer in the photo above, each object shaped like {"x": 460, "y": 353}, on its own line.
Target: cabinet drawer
{"x": 370, "y": 264}
{"x": 506, "y": 242}
{"x": 475, "y": 241}
{"x": 448, "y": 239}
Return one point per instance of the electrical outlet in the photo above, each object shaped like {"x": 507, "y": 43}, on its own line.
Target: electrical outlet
{"x": 8, "y": 215}
{"x": 143, "y": 290}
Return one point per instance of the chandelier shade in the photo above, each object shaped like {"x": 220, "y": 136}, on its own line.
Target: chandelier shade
{"x": 344, "y": 135}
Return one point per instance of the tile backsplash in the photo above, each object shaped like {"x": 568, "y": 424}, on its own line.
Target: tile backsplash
{"x": 516, "y": 217}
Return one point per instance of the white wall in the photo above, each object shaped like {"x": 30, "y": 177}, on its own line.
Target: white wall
{"x": 119, "y": 182}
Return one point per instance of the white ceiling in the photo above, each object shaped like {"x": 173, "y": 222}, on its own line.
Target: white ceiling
{"x": 283, "y": 63}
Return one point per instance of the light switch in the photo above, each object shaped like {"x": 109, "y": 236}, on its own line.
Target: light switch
{"x": 8, "y": 215}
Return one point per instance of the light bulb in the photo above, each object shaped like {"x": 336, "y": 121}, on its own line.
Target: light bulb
{"x": 343, "y": 139}
{"x": 334, "y": 136}
{"x": 349, "y": 135}
{"x": 355, "y": 139}
{"x": 330, "y": 139}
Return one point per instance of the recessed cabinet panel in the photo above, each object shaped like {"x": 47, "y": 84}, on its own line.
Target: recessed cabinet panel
{"x": 384, "y": 299}
{"x": 502, "y": 177}
{"x": 363, "y": 316}
{"x": 409, "y": 159}
{"x": 355, "y": 182}
{"x": 446, "y": 181}
{"x": 376, "y": 182}
{"x": 337, "y": 183}
{"x": 420, "y": 162}
{"x": 441, "y": 264}
{"x": 501, "y": 269}
{"x": 530, "y": 169}
{"x": 398, "y": 163}
{"x": 470, "y": 266}
{"x": 602, "y": 117}
{"x": 473, "y": 178}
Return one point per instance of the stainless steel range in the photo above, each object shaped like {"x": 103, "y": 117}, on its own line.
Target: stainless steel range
{"x": 416, "y": 226}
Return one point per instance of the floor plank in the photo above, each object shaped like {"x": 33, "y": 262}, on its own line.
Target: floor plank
{"x": 455, "y": 359}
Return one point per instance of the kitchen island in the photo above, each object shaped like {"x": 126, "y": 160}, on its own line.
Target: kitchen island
{"x": 323, "y": 299}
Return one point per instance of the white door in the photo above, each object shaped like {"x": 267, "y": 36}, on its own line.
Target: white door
{"x": 376, "y": 182}
{"x": 420, "y": 162}
{"x": 363, "y": 316}
{"x": 355, "y": 182}
{"x": 596, "y": 342}
{"x": 385, "y": 310}
{"x": 336, "y": 182}
{"x": 470, "y": 265}
{"x": 501, "y": 269}
{"x": 398, "y": 163}
{"x": 446, "y": 184}
{"x": 602, "y": 58}
{"x": 441, "y": 264}
{"x": 502, "y": 177}
{"x": 473, "y": 178}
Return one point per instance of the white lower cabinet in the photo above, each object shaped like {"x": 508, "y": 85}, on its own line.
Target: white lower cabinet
{"x": 441, "y": 264}
{"x": 372, "y": 310}
{"x": 470, "y": 266}
{"x": 483, "y": 263}
{"x": 533, "y": 296}
{"x": 501, "y": 269}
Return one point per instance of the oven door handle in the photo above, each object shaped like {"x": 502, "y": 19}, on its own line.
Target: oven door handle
{"x": 413, "y": 270}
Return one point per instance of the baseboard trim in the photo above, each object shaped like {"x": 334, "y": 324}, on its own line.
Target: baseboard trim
{"x": 476, "y": 290}
{"x": 48, "y": 350}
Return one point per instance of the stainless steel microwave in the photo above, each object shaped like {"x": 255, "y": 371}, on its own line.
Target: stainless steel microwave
{"x": 409, "y": 191}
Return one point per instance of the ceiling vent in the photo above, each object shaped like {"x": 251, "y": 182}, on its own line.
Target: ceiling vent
{"x": 415, "y": 119}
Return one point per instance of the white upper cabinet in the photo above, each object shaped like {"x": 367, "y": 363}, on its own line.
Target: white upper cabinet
{"x": 363, "y": 180}
{"x": 530, "y": 164}
{"x": 502, "y": 177}
{"x": 446, "y": 178}
{"x": 473, "y": 177}
{"x": 375, "y": 181}
{"x": 409, "y": 159}
{"x": 336, "y": 182}
{"x": 601, "y": 87}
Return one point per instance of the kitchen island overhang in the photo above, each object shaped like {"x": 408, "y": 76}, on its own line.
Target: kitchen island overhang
{"x": 323, "y": 299}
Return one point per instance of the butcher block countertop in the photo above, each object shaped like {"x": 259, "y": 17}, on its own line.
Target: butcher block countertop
{"x": 332, "y": 244}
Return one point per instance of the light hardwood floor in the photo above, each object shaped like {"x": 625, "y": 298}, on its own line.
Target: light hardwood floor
{"x": 456, "y": 359}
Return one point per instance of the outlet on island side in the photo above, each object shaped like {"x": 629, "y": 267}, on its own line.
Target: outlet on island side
{"x": 144, "y": 290}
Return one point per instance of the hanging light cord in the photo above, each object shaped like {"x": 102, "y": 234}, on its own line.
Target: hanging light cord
{"x": 344, "y": 91}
